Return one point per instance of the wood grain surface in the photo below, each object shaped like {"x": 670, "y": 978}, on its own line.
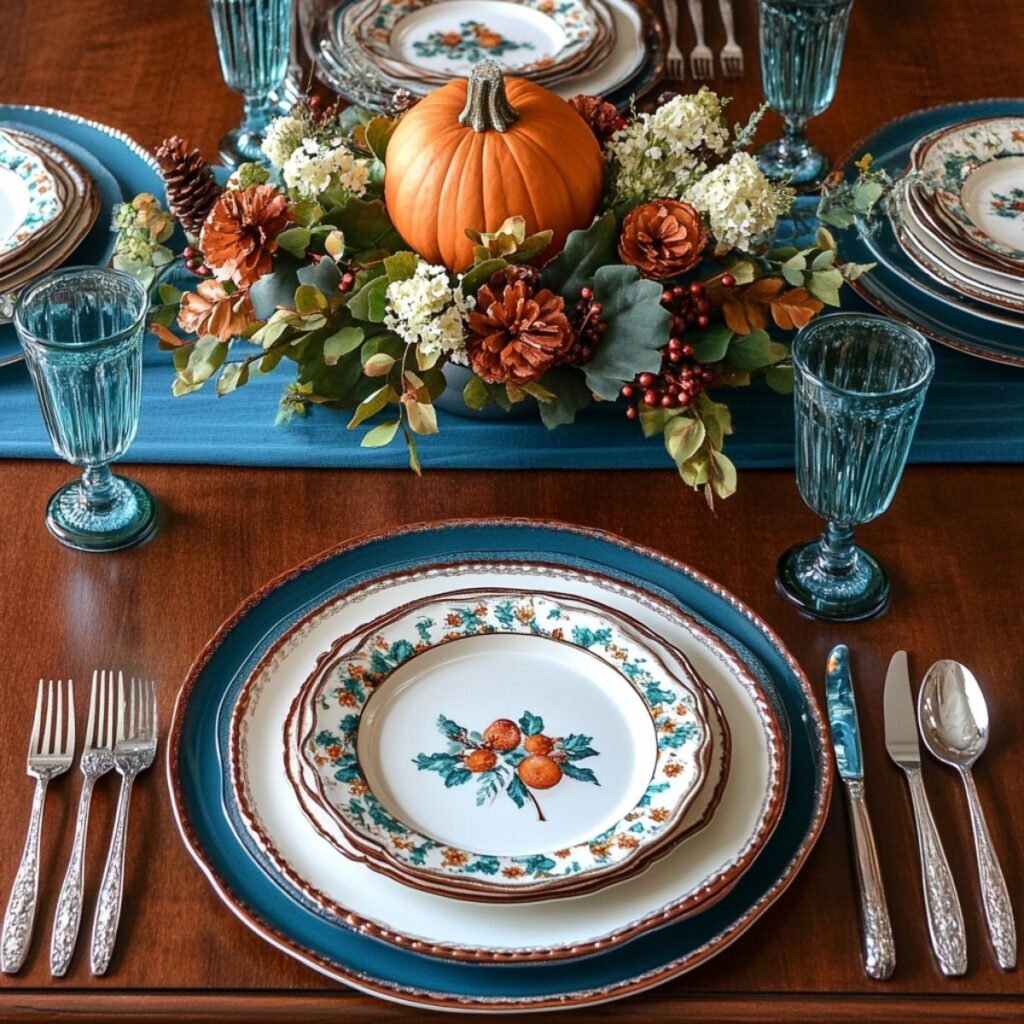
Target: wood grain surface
{"x": 952, "y": 542}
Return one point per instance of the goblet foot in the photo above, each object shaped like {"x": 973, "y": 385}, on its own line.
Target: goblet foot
{"x": 240, "y": 146}
{"x": 859, "y": 592}
{"x": 797, "y": 160}
{"x": 128, "y": 519}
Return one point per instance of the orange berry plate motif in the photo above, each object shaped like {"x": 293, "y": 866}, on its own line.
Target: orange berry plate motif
{"x": 415, "y": 758}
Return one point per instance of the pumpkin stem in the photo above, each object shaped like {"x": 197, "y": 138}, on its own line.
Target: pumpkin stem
{"x": 487, "y": 106}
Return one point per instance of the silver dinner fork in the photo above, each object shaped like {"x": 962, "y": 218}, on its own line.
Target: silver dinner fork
{"x": 731, "y": 56}
{"x": 702, "y": 61}
{"x": 134, "y": 751}
{"x": 47, "y": 758}
{"x": 97, "y": 759}
{"x": 675, "y": 66}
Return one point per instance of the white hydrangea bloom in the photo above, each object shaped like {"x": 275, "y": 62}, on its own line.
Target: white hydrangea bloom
{"x": 315, "y": 166}
{"x": 739, "y": 202}
{"x": 660, "y": 155}
{"x": 284, "y": 136}
{"x": 426, "y": 311}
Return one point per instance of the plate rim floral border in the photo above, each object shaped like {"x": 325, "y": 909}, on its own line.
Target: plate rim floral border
{"x": 410, "y": 995}
{"x": 469, "y": 888}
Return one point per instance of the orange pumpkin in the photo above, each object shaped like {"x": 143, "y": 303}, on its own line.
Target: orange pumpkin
{"x": 476, "y": 152}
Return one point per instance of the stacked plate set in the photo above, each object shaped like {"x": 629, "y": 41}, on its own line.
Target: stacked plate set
{"x": 951, "y": 255}
{"x": 369, "y": 49}
{"x": 60, "y": 179}
{"x": 430, "y": 756}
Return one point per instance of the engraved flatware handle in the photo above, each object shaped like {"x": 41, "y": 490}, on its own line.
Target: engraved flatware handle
{"x": 996, "y": 898}
{"x": 945, "y": 918}
{"x": 21, "y": 907}
{"x": 108, "y": 903}
{"x": 879, "y": 948}
{"x": 68, "y": 917}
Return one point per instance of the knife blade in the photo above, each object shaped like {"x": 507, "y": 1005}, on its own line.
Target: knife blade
{"x": 879, "y": 949}
{"x": 942, "y": 903}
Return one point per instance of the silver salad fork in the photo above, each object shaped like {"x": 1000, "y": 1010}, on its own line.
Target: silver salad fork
{"x": 702, "y": 61}
{"x": 47, "y": 758}
{"x": 97, "y": 759}
{"x": 731, "y": 56}
{"x": 675, "y": 66}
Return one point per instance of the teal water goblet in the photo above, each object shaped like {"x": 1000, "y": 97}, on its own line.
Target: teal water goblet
{"x": 82, "y": 329}
{"x": 801, "y": 51}
{"x": 859, "y": 385}
{"x": 254, "y": 46}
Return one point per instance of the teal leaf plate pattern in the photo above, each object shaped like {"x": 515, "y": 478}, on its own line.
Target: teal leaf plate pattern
{"x": 974, "y": 173}
{"x": 539, "y": 805}
{"x": 43, "y": 203}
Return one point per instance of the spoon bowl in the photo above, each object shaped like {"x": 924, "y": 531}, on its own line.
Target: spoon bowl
{"x": 953, "y": 715}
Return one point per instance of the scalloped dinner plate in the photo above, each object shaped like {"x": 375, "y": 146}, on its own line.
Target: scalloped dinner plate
{"x": 287, "y": 915}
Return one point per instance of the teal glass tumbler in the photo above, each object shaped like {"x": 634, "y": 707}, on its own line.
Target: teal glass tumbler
{"x": 801, "y": 51}
{"x": 82, "y": 330}
{"x": 254, "y": 46}
{"x": 859, "y": 385}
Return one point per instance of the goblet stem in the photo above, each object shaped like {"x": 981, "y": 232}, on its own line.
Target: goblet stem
{"x": 98, "y": 488}
{"x": 258, "y": 113}
{"x": 837, "y": 552}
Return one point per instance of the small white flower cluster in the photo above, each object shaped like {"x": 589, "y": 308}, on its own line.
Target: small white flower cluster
{"x": 739, "y": 202}
{"x": 660, "y": 155}
{"x": 426, "y": 311}
{"x": 315, "y": 167}
{"x": 284, "y": 136}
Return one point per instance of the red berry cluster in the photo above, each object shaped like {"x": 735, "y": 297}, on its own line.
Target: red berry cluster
{"x": 681, "y": 377}
{"x": 194, "y": 262}
{"x": 346, "y": 282}
{"x": 322, "y": 114}
{"x": 588, "y": 328}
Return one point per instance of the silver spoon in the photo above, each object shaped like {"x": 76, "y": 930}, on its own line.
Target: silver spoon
{"x": 953, "y": 719}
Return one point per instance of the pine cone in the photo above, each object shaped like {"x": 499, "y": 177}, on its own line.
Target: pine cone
{"x": 663, "y": 239}
{"x": 603, "y": 118}
{"x": 191, "y": 188}
{"x": 239, "y": 237}
{"x": 516, "y": 333}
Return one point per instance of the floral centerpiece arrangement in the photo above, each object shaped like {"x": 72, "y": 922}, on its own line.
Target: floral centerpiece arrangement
{"x": 556, "y": 251}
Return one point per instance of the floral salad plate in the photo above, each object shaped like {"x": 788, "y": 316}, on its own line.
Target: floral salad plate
{"x": 28, "y": 194}
{"x": 563, "y": 752}
{"x": 976, "y": 170}
{"x": 449, "y": 37}
{"x": 454, "y": 954}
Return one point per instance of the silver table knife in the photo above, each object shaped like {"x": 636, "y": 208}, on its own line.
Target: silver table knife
{"x": 945, "y": 918}
{"x": 879, "y": 949}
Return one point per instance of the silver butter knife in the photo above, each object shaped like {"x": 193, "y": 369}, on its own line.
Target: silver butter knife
{"x": 945, "y": 918}
{"x": 879, "y": 949}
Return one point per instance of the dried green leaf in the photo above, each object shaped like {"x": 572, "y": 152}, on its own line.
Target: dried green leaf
{"x": 339, "y": 344}
{"x": 382, "y": 434}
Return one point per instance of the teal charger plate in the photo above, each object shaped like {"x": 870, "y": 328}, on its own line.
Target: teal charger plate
{"x": 897, "y": 286}
{"x": 119, "y": 166}
{"x": 215, "y": 836}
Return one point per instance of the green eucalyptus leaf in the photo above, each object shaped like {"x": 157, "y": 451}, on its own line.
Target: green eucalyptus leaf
{"x": 382, "y": 434}
{"x": 475, "y": 394}
{"x": 324, "y": 275}
{"x": 569, "y": 394}
{"x": 780, "y": 379}
{"x": 638, "y": 327}
{"x": 294, "y": 240}
{"x": 422, "y": 417}
{"x": 372, "y": 405}
{"x": 752, "y": 351}
{"x": 825, "y": 259}
{"x": 480, "y": 274}
{"x": 723, "y": 477}
{"x": 233, "y": 376}
{"x": 366, "y": 225}
{"x": 401, "y": 266}
{"x": 378, "y": 365}
{"x": 370, "y": 302}
{"x": 584, "y": 254}
{"x": 339, "y": 344}
{"x": 276, "y": 289}
{"x": 653, "y": 421}
{"x": 198, "y": 361}
{"x": 169, "y": 295}
{"x": 306, "y": 213}
{"x": 711, "y": 343}
{"x": 683, "y": 438}
{"x": 824, "y": 285}
{"x": 387, "y": 342}
{"x": 309, "y": 299}
{"x": 378, "y": 134}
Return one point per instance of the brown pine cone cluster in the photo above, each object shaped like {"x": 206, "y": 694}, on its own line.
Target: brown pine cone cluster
{"x": 517, "y": 331}
{"x": 191, "y": 187}
{"x": 663, "y": 239}
{"x": 603, "y": 118}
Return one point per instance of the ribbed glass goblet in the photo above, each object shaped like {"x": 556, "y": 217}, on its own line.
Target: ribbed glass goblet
{"x": 859, "y": 385}
{"x": 254, "y": 45}
{"x": 82, "y": 329}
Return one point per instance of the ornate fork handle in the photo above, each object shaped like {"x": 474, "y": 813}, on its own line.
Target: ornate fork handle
{"x": 672, "y": 22}
{"x": 725, "y": 10}
{"x": 21, "y": 907}
{"x": 108, "y": 903}
{"x": 697, "y": 17}
{"x": 996, "y": 898}
{"x": 68, "y": 917}
{"x": 945, "y": 918}
{"x": 879, "y": 948}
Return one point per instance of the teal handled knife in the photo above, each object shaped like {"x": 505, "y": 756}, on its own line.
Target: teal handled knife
{"x": 879, "y": 949}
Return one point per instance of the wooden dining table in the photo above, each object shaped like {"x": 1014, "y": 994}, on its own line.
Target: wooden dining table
{"x": 952, "y": 542}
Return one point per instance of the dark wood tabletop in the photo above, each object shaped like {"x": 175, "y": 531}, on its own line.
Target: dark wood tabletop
{"x": 952, "y": 543}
